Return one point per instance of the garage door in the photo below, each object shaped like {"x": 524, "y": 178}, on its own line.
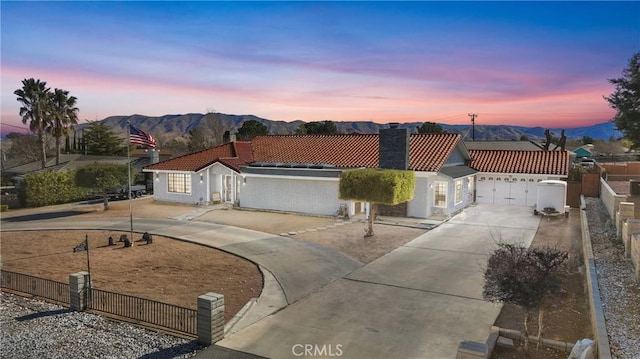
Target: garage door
{"x": 514, "y": 190}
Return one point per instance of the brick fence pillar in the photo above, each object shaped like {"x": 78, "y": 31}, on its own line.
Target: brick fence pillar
{"x": 78, "y": 290}
{"x": 635, "y": 253}
{"x": 625, "y": 210}
{"x": 630, "y": 226}
{"x": 210, "y": 318}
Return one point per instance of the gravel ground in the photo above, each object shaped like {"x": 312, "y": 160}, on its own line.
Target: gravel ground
{"x": 619, "y": 288}
{"x": 36, "y": 329}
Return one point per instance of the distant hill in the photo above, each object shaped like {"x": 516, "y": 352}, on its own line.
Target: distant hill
{"x": 178, "y": 126}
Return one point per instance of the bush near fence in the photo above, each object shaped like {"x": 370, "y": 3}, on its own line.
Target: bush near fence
{"x": 48, "y": 188}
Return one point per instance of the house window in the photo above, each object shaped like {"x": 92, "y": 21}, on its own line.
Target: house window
{"x": 440, "y": 194}
{"x": 179, "y": 183}
{"x": 458, "y": 194}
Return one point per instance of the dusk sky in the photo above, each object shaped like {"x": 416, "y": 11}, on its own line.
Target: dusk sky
{"x": 517, "y": 63}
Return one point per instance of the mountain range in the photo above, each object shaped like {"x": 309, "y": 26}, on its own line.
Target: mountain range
{"x": 169, "y": 127}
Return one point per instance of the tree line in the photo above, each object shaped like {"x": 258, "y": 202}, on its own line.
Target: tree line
{"x": 47, "y": 111}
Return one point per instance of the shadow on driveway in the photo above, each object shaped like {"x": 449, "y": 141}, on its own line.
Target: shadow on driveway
{"x": 43, "y": 216}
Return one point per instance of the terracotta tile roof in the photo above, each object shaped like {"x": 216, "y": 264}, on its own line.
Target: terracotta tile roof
{"x": 429, "y": 151}
{"x": 243, "y": 150}
{"x": 235, "y": 155}
{"x": 354, "y": 150}
{"x": 534, "y": 162}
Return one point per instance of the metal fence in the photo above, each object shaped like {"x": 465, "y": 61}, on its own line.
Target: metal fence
{"x": 38, "y": 287}
{"x": 142, "y": 310}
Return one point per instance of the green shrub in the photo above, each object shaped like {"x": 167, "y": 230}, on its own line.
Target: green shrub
{"x": 4, "y": 208}
{"x": 47, "y": 188}
{"x": 378, "y": 186}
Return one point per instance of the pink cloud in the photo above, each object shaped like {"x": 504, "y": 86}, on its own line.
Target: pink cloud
{"x": 294, "y": 94}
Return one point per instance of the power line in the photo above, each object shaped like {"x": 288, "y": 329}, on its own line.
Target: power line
{"x": 8, "y": 125}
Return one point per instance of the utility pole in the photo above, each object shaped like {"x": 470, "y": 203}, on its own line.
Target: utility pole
{"x": 473, "y": 125}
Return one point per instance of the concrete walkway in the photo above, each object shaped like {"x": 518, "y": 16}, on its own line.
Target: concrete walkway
{"x": 419, "y": 301}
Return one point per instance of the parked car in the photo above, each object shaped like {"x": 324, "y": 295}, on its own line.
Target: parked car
{"x": 587, "y": 162}
{"x": 121, "y": 192}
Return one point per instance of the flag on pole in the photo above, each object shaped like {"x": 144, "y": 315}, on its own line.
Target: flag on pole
{"x": 139, "y": 137}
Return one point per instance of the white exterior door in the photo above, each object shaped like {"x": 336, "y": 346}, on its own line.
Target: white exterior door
{"x": 502, "y": 189}
{"x": 484, "y": 189}
{"x": 518, "y": 191}
{"x": 227, "y": 188}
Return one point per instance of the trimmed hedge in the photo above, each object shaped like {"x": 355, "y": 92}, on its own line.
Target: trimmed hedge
{"x": 47, "y": 188}
{"x": 377, "y": 185}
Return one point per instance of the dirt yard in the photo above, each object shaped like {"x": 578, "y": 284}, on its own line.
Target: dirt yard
{"x": 568, "y": 318}
{"x": 167, "y": 270}
{"x": 347, "y": 238}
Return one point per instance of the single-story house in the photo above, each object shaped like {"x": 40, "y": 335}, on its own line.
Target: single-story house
{"x": 301, "y": 173}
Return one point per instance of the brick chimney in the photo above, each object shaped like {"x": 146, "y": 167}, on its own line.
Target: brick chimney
{"x": 393, "y": 144}
{"x": 154, "y": 155}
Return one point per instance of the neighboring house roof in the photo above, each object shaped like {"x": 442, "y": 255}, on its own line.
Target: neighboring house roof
{"x": 143, "y": 152}
{"x": 86, "y": 160}
{"x": 36, "y": 165}
{"x": 67, "y": 162}
{"x": 530, "y": 162}
{"x": 427, "y": 152}
{"x": 502, "y": 145}
{"x": 232, "y": 155}
{"x": 586, "y": 150}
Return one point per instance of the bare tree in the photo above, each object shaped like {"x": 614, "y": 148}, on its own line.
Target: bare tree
{"x": 526, "y": 277}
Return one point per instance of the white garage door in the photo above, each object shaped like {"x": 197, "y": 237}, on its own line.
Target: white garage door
{"x": 515, "y": 190}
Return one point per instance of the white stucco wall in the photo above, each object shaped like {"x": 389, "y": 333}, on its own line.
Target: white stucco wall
{"x": 300, "y": 194}
{"x": 203, "y": 184}
{"x": 160, "y": 190}
{"x": 419, "y": 206}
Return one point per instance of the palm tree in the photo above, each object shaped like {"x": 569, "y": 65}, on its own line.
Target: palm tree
{"x": 64, "y": 115}
{"x": 34, "y": 97}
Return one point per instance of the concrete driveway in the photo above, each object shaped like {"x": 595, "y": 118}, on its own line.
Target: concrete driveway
{"x": 419, "y": 301}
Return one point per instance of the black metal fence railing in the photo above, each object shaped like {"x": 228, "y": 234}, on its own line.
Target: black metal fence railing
{"x": 39, "y": 287}
{"x": 143, "y": 310}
